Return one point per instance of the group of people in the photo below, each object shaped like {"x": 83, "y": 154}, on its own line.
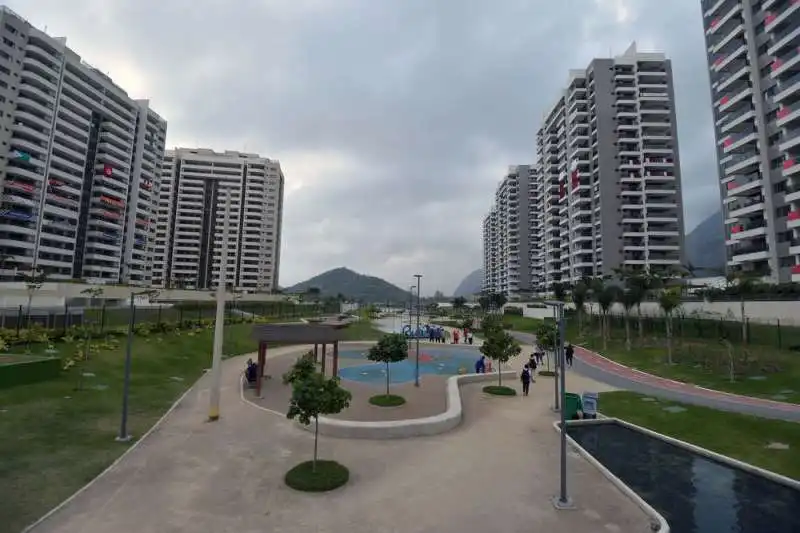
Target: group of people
{"x": 467, "y": 336}
{"x": 536, "y": 358}
{"x": 482, "y": 365}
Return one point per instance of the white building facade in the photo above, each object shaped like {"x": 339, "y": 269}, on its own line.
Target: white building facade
{"x": 79, "y": 168}
{"x": 608, "y": 189}
{"x": 195, "y": 186}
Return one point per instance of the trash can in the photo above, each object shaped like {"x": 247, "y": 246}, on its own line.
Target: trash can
{"x": 572, "y": 404}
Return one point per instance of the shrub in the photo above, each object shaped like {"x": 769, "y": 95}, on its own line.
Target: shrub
{"x": 512, "y": 310}
{"x": 499, "y": 390}
{"x": 387, "y": 400}
{"x": 327, "y": 475}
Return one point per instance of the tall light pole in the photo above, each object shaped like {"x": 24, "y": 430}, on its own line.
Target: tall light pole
{"x": 219, "y": 320}
{"x": 410, "y": 304}
{"x": 124, "y": 436}
{"x": 562, "y": 501}
{"x": 416, "y": 361}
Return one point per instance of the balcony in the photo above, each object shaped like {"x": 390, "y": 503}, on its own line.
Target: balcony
{"x": 738, "y": 162}
{"x": 732, "y": 142}
{"x": 727, "y": 101}
{"x": 791, "y": 166}
{"x": 722, "y": 60}
{"x": 793, "y": 219}
{"x": 785, "y": 62}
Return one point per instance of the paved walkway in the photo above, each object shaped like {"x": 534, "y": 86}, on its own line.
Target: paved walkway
{"x": 496, "y": 472}
{"x": 601, "y": 368}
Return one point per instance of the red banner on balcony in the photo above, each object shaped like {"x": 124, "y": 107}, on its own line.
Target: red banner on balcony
{"x": 732, "y": 185}
{"x": 794, "y": 215}
{"x": 112, "y": 201}
{"x": 782, "y": 112}
{"x": 789, "y": 163}
{"x": 55, "y": 183}
{"x": 20, "y": 186}
{"x": 574, "y": 176}
{"x": 108, "y": 170}
{"x": 796, "y": 268}
{"x": 142, "y": 222}
{"x": 727, "y": 141}
{"x": 714, "y": 22}
{"x": 770, "y": 17}
{"x": 737, "y": 229}
{"x": 776, "y": 63}
{"x": 110, "y": 214}
{"x": 724, "y": 100}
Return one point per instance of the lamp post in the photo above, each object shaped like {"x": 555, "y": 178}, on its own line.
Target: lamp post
{"x": 416, "y": 361}
{"x": 219, "y": 320}
{"x": 126, "y": 384}
{"x": 410, "y": 304}
{"x": 562, "y": 501}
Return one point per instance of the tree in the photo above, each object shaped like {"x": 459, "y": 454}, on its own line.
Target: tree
{"x": 669, "y": 300}
{"x": 491, "y": 324}
{"x": 313, "y": 395}
{"x": 559, "y": 291}
{"x": 459, "y": 303}
{"x": 500, "y": 346}
{"x": 605, "y": 299}
{"x": 467, "y": 323}
{"x": 745, "y": 282}
{"x": 546, "y": 338}
{"x": 93, "y": 293}
{"x": 580, "y": 293}
{"x": 498, "y": 300}
{"x": 629, "y": 298}
{"x": 33, "y": 282}
{"x": 301, "y": 369}
{"x": 391, "y": 348}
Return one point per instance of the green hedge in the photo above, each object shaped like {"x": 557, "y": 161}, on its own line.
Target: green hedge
{"x": 27, "y": 372}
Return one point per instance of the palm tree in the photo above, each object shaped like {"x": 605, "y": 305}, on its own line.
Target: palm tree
{"x": 745, "y": 283}
{"x": 629, "y": 298}
{"x": 605, "y": 299}
{"x": 580, "y": 293}
{"x": 669, "y": 300}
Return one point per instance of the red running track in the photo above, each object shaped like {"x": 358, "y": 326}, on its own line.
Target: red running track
{"x": 603, "y": 363}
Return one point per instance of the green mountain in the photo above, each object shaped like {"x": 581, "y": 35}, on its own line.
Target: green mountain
{"x": 353, "y": 286}
{"x": 471, "y": 284}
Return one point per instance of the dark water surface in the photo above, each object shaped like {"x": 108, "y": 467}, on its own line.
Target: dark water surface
{"x": 693, "y": 493}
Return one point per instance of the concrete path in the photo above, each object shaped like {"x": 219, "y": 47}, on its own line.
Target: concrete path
{"x": 496, "y": 472}
{"x": 597, "y": 367}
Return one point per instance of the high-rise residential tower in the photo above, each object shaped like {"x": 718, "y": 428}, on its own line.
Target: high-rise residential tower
{"x": 79, "y": 164}
{"x": 608, "y": 184}
{"x": 195, "y": 185}
{"x": 507, "y": 233}
{"x": 754, "y": 63}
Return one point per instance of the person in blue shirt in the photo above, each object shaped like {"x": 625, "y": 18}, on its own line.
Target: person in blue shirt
{"x": 480, "y": 365}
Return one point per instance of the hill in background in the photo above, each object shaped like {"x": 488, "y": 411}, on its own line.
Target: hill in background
{"x": 353, "y": 286}
{"x": 472, "y": 284}
{"x": 705, "y": 246}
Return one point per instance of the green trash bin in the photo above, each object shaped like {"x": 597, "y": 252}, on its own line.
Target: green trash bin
{"x": 572, "y": 404}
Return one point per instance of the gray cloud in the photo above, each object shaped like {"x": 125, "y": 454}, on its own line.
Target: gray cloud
{"x": 393, "y": 120}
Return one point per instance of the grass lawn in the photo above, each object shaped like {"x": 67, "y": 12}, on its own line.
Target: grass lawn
{"x": 742, "y": 437}
{"x": 54, "y": 438}
{"x": 523, "y": 324}
{"x": 363, "y": 330}
{"x": 760, "y": 371}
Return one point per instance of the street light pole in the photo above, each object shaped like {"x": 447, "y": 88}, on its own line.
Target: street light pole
{"x": 562, "y": 501}
{"x": 556, "y": 352}
{"x": 416, "y": 362}
{"x": 126, "y": 383}
{"x": 219, "y": 320}
{"x": 410, "y": 304}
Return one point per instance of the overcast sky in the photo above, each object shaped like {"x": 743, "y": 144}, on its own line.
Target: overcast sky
{"x": 393, "y": 120}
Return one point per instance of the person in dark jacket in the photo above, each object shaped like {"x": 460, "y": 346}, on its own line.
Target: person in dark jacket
{"x": 480, "y": 365}
{"x": 569, "y": 352}
{"x": 526, "y": 380}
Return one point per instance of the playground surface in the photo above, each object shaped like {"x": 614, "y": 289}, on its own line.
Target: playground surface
{"x": 497, "y": 472}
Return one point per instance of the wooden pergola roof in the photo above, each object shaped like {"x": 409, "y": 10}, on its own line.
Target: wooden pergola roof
{"x": 296, "y": 333}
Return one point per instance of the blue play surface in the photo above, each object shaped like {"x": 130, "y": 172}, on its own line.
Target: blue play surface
{"x": 432, "y": 360}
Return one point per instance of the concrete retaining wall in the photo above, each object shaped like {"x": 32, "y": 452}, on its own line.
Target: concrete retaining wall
{"x": 415, "y": 427}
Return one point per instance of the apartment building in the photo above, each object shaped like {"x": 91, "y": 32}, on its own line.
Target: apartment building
{"x": 608, "y": 185}
{"x": 79, "y": 164}
{"x": 193, "y": 211}
{"x": 754, "y": 63}
{"x": 508, "y": 235}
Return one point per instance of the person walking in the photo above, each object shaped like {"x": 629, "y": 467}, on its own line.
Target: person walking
{"x": 526, "y": 380}
{"x": 532, "y": 365}
{"x": 569, "y": 353}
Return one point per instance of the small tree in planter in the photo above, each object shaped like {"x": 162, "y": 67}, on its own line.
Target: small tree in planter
{"x": 312, "y": 395}
{"x": 546, "y": 338}
{"x": 500, "y": 346}
{"x": 391, "y": 348}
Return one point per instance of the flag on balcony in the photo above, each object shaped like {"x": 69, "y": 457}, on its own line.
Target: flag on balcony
{"x": 769, "y": 18}
{"x": 724, "y": 100}
{"x": 794, "y": 215}
{"x": 714, "y": 22}
{"x": 776, "y": 63}
{"x": 789, "y": 163}
{"x": 782, "y": 112}
{"x": 573, "y": 174}
{"x": 727, "y": 141}
{"x": 108, "y": 170}
{"x": 731, "y": 185}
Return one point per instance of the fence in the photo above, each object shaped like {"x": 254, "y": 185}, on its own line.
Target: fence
{"x": 15, "y": 322}
{"x": 775, "y": 333}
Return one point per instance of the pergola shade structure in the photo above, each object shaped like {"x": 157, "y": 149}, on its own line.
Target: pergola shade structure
{"x": 321, "y": 334}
